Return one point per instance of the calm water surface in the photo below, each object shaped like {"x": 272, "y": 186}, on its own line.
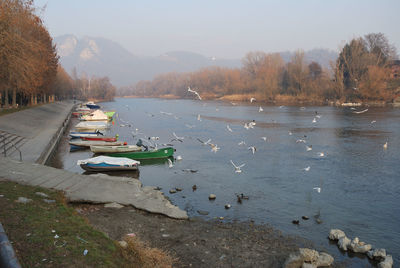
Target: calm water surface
{"x": 359, "y": 180}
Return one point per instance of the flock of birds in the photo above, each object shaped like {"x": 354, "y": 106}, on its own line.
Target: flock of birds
{"x": 247, "y": 125}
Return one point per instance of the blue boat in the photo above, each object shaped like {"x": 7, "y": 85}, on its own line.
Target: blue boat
{"x": 77, "y": 134}
{"x": 106, "y": 163}
{"x": 92, "y": 105}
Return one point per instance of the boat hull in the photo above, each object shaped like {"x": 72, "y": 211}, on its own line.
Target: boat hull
{"x": 107, "y": 167}
{"x": 99, "y": 138}
{"x": 115, "y": 149}
{"x": 152, "y": 154}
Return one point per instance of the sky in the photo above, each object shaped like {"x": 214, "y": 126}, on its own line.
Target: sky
{"x": 223, "y": 28}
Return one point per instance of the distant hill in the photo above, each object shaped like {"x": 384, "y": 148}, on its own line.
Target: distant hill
{"x": 103, "y": 57}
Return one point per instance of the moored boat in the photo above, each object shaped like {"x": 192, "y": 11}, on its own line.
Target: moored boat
{"x": 91, "y": 126}
{"x": 80, "y": 144}
{"x": 110, "y": 114}
{"x": 151, "y": 154}
{"x": 115, "y": 149}
{"x": 76, "y": 134}
{"x": 106, "y": 163}
{"x": 100, "y": 138}
{"x": 92, "y": 105}
{"x": 97, "y": 115}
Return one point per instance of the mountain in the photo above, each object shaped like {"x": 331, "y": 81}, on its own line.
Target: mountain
{"x": 103, "y": 57}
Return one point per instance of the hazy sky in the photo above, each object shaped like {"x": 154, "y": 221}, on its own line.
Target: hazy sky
{"x": 223, "y": 28}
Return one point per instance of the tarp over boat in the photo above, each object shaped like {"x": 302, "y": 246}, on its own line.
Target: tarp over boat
{"x": 97, "y": 115}
{"x": 120, "y": 161}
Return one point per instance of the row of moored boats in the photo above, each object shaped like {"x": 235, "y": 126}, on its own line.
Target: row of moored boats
{"x": 112, "y": 154}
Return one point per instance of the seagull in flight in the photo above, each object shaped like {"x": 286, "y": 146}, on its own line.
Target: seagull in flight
{"x": 253, "y": 149}
{"x": 177, "y": 138}
{"x": 360, "y": 112}
{"x": 300, "y": 140}
{"x": 318, "y": 189}
{"x": 238, "y": 168}
{"x": 307, "y": 168}
{"x": 241, "y": 143}
{"x": 170, "y": 165}
{"x": 264, "y": 138}
{"x": 252, "y": 99}
{"x": 260, "y": 109}
{"x": 229, "y": 128}
{"x": 204, "y": 143}
{"x": 214, "y": 147}
{"x": 385, "y": 146}
{"x": 321, "y": 154}
{"x": 309, "y": 148}
{"x": 195, "y": 92}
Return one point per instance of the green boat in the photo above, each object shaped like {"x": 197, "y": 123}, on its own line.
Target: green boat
{"x": 151, "y": 154}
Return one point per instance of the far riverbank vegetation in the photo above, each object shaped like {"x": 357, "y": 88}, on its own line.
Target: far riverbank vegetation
{"x": 366, "y": 70}
{"x": 30, "y": 72}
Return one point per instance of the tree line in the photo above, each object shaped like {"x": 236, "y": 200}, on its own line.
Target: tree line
{"x": 360, "y": 73}
{"x": 29, "y": 65}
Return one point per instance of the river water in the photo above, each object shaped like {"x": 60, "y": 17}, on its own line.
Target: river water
{"x": 359, "y": 180}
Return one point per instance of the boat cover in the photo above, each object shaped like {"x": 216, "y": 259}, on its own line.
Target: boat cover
{"x": 96, "y": 115}
{"x": 91, "y": 124}
{"x": 122, "y": 161}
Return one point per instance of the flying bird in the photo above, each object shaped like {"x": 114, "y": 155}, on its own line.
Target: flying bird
{"x": 179, "y": 158}
{"x": 198, "y": 118}
{"x": 195, "y": 92}
{"x": 309, "y": 148}
{"x": 238, "y": 168}
{"x": 301, "y": 140}
{"x": 252, "y": 148}
{"x": 170, "y": 165}
{"x": 360, "y": 112}
{"x": 204, "y": 143}
{"x": 241, "y": 143}
{"x": 373, "y": 121}
{"x": 246, "y": 126}
{"x": 385, "y": 146}
{"x": 260, "y": 109}
{"x": 318, "y": 189}
{"x": 321, "y": 154}
{"x": 264, "y": 138}
{"x": 177, "y": 138}
{"x": 314, "y": 120}
{"x": 229, "y": 128}
{"x": 214, "y": 147}
{"x": 252, "y": 99}
{"x": 307, "y": 168}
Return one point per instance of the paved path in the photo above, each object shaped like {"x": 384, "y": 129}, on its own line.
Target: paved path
{"x": 33, "y": 130}
{"x": 90, "y": 188}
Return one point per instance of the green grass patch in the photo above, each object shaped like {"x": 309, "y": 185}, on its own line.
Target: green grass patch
{"x": 32, "y": 228}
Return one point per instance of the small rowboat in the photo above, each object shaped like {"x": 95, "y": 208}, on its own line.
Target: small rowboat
{"x": 151, "y": 154}
{"x": 75, "y": 135}
{"x": 91, "y": 126}
{"x": 106, "y": 163}
{"x": 92, "y": 105}
{"x": 80, "y": 144}
{"x": 99, "y": 138}
{"x": 115, "y": 149}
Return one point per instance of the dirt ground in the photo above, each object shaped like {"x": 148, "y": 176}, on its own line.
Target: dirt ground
{"x": 195, "y": 242}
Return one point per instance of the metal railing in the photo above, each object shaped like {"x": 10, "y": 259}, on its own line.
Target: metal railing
{"x": 12, "y": 145}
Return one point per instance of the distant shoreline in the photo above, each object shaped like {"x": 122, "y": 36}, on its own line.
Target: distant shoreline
{"x": 288, "y": 102}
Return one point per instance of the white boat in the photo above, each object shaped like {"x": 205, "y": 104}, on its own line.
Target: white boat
{"x": 81, "y": 143}
{"x": 115, "y": 149}
{"x": 107, "y": 163}
{"x": 97, "y": 115}
{"x": 91, "y": 126}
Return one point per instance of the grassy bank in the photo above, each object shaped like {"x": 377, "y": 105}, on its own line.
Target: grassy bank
{"x": 51, "y": 234}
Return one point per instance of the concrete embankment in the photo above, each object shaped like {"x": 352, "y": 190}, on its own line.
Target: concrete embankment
{"x": 40, "y": 129}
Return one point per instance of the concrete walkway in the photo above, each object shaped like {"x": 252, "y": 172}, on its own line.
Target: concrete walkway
{"x": 34, "y": 130}
{"x": 37, "y": 130}
{"x": 90, "y": 188}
